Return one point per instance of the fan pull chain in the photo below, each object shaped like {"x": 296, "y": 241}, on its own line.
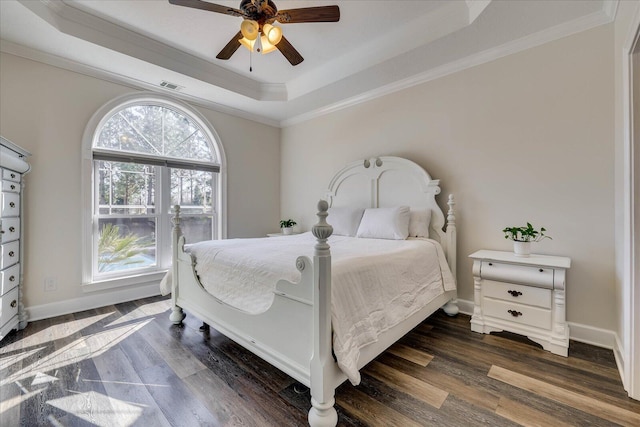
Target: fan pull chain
{"x": 251, "y": 61}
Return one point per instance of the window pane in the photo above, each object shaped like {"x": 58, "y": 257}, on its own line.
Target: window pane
{"x": 126, "y": 188}
{"x": 196, "y": 229}
{"x": 126, "y": 243}
{"x": 155, "y": 130}
{"x": 192, "y": 190}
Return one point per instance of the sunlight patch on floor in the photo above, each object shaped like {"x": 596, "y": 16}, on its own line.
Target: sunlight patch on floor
{"x": 98, "y": 409}
{"x": 77, "y": 350}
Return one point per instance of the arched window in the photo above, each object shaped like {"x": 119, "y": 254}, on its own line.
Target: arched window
{"x": 148, "y": 153}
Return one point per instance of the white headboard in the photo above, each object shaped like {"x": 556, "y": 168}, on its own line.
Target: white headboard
{"x": 393, "y": 181}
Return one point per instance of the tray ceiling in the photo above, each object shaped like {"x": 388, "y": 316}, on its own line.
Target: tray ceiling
{"x": 376, "y": 47}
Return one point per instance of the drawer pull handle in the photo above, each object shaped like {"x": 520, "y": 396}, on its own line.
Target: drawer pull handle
{"x": 490, "y": 263}
{"x": 13, "y": 187}
{"x": 514, "y": 313}
{"x": 541, "y": 270}
{"x": 13, "y": 175}
{"x": 514, "y": 293}
{"x": 12, "y": 205}
{"x": 14, "y": 303}
{"x": 12, "y": 278}
{"x": 12, "y": 229}
{"x": 11, "y": 253}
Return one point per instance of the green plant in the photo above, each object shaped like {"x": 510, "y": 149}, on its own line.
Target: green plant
{"x": 114, "y": 248}
{"x": 286, "y": 223}
{"x": 525, "y": 234}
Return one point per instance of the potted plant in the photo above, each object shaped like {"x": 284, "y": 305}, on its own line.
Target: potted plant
{"x": 287, "y": 225}
{"x": 522, "y": 238}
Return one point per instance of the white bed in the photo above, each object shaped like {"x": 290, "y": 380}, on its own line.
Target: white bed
{"x": 288, "y": 318}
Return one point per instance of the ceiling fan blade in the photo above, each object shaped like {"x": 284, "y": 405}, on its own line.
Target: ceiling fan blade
{"x": 289, "y": 52}
{"x": 231, "y": 47}
{"x": 309, "y": 14}
{"x": 211, "y": 7}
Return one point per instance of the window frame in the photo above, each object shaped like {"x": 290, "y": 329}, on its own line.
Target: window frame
{"x": 93, "y": 127}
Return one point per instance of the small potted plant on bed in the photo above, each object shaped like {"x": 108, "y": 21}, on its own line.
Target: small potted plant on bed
{"x": 522, "y": 238}
{"x": 287, "y": 225}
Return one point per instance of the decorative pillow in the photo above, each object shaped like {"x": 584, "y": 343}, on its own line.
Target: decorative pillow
{"x": 345, "y": 221}
{"x": 419, "y": 221}
{"x": 385, "y": 223}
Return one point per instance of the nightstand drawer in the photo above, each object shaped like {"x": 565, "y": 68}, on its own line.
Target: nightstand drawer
{"x": 532, "y": 276}
{"x": 8, "y": 306}
{"x": 517, "y": 293}
{"x": 9, "y": 278}
{"x": 517, "y": 313}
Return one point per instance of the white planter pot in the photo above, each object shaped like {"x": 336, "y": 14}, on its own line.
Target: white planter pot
{"x": 287, "y": 230}
{"x": 522, "y": 249}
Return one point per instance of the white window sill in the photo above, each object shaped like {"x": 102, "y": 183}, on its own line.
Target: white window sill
{"x": 138, "y": 279}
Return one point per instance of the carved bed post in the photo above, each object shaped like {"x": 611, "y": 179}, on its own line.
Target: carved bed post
{"x": 177, "y": 315}
{"x": 322, "y": 412}
{"x": 451, "y": 307}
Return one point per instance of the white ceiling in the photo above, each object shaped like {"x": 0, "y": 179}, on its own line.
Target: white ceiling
{"x": 376, "y": 47}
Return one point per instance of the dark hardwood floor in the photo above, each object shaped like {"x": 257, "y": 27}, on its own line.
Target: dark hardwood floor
{"x": 126, "y": 365}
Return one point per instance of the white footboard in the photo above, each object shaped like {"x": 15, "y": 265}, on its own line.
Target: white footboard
{"x": 294, "y": 334}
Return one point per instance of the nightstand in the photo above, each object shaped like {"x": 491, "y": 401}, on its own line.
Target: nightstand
{"x": 523, "y": 295}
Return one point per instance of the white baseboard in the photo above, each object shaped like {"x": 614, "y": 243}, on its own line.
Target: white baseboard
{"x": 577, "y": 332}
{"x": 89, "y": 301}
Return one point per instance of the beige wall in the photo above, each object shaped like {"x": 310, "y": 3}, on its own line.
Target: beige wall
{"x": 45, "y": 110}
{"x": 529, "y": 137}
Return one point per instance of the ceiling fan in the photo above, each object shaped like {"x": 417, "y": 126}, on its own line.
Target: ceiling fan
{"x": 258, "y": 30}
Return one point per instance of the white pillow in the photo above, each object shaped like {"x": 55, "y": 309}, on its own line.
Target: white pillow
{"x": 385, "y": 223}
{"x": 345, "y": 221}
{"x": 419, "y": 221}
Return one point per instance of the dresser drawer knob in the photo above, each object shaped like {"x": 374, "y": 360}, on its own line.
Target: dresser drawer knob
{"x": 514, "y": 313}
{"x": 12, "y": 278}
{"x": 514, "y": 293}
{"x": 541, "y": 270}
{"x": 13, "y": 175}
{"x": 14, "y": 303}
{"x": 490, "y": 263}
{"x": 12, "y": 205}
{"x": 13, "y": 187}
{"x": 11, "y": 253}
{"x": 12, "y": 229}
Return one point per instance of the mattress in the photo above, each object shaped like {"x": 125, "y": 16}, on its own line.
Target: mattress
{"x": 376, "y": 283}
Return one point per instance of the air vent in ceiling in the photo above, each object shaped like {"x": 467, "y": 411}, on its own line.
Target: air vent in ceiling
{"x": 167, "y": 85}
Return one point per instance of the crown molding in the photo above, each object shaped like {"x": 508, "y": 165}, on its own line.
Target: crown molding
{"x": 604, "y": 16}
{"x": 76, "y": 67}
{"x": 93, "y": 29}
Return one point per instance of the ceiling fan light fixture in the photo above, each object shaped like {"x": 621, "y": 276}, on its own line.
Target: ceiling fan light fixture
{"x": 266, "y": 45}
{"x": 250, "y": 29}
{"x": 247, "y": 43}
{"x": 272, "y": 33}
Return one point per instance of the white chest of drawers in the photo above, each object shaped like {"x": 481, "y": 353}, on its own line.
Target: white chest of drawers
{"x": 524, "y": 295}
{"x": 12, "y": 168}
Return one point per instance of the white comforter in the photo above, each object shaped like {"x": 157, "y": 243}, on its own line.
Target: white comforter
{"x": 376, "y": 283}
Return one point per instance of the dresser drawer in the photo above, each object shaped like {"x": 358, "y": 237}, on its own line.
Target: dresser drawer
{"x": 9, "y": 278}
{"x": 10, "y": 186}
{"x": 10, "y": 175}
{"x": 532, "y": 276}
{"x": 517, "y": 313}
{"x": 9, "y": 229}
{"x": 8, "y": 306}
{"x": 9, "y": 254}
{"x": 520, "y": 294}
{"x": 10, "y": 204}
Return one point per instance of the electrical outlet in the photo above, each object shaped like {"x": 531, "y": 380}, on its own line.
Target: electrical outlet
{"x": 50, "y": 284}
